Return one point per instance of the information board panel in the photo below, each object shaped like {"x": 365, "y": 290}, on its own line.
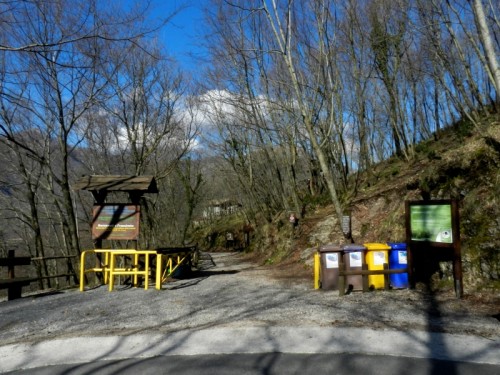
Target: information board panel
{"x": 115, "y": 222}
{"x": 433, "y": 236}
{"x": 431, "y": 222}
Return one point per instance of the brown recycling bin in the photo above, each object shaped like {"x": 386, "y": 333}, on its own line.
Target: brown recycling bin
{"x": 330, "y": 258}
{"x": 354, "y": 259}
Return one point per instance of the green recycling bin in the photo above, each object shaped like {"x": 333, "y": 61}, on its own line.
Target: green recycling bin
{"x": 376, "y": 255}
{"x": 330, "y": 259}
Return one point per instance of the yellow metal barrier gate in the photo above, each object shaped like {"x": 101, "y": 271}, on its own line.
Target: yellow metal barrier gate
{"x": 168, "y": 260}
{"x": 173, "y": 258}
{"x": 109, "y": 270}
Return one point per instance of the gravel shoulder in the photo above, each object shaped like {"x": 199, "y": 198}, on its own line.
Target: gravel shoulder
{"x": 231, "y": 291}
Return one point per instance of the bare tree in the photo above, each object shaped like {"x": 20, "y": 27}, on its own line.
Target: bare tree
{"x": 259, "y": 138}
{"x": 488, "y": 47}
{"x": 281, "y": 22}
{"x": 143, "y": 121}
{"x": 54, "y": 58}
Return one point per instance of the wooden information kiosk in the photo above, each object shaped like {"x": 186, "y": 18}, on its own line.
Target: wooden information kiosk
{"x": 433, "y": 236}
{"x": 117, "y": 222}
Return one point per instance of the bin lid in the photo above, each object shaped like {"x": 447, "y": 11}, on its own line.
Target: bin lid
{"x": 376, "y": 246}
{"x": 329, "y": 248}
{"x": 397, "y": 245}
{"x": 353, "y": 247}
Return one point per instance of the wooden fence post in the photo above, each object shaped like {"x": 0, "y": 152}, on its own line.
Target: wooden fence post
{"x": 366, "y": 287}
{"x": 386, "y": 277}
{"x": 341, "y": 276}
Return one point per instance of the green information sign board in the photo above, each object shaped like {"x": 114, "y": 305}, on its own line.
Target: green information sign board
{"x": 432, "y": 222}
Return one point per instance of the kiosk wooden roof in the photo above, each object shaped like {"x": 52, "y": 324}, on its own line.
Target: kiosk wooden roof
{"x": 100, "y": 185}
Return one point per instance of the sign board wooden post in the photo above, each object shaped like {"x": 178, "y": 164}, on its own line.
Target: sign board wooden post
{"x": 432, "y": 235}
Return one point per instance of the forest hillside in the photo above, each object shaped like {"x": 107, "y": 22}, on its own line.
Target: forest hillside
{"x": 462, "y": 163}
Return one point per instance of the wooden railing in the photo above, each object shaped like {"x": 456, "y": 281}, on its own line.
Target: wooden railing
{"x": 12, "y": 283}
{"x": 365, "y": 273}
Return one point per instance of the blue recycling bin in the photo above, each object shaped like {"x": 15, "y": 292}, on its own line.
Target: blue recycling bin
{"x": 398, "y": 258}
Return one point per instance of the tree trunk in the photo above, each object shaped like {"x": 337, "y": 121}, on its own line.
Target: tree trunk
{"x": 489, "y": 50}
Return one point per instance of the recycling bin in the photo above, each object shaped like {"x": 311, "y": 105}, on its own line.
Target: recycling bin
{"x": 376, "y": 255}
{"x": 330, "y": 259}
{"x": 398, "y": 258}
{"x": 354, "y": 259}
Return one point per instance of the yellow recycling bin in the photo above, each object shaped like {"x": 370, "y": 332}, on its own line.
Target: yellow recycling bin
{"x": 376, "y": 256}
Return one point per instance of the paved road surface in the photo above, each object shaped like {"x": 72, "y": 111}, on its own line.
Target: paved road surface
{"x": 270, "y": 363}
{"x": 259, "y": 350}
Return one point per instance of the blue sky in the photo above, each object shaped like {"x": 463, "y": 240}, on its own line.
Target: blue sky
{"x": 181, "y": 35}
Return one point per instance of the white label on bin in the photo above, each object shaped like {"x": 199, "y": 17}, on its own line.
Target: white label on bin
{"x": 379, "y": 258}
{"x": 332, "y": 260}
{"x": 355, "y": 259}
{"x": 402, "y": 258}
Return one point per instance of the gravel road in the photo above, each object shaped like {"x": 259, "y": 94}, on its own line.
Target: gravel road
{"x": 232, "y": 305}
{"x": 231, "y": 291}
